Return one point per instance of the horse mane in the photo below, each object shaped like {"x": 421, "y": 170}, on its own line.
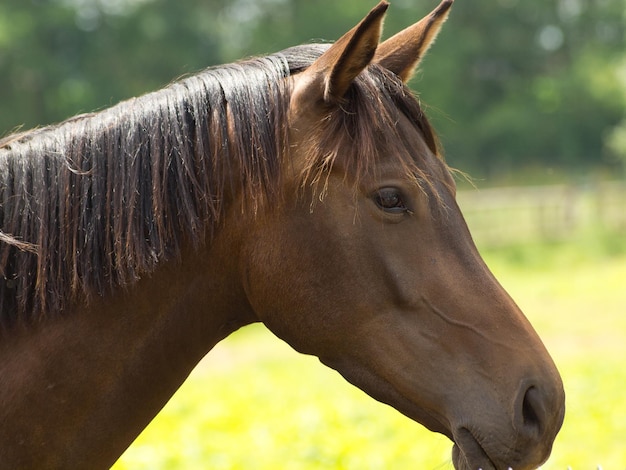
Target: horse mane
{"x": 97, "y": 201}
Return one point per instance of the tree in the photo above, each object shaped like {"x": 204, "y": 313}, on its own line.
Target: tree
{"x": 509, "y": 83}
{"x": 65, "y": 57}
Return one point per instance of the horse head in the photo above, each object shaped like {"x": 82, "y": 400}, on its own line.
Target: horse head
{"x": 366, "y": 261}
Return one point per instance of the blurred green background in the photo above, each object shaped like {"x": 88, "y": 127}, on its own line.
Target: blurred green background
{"x": 510, "y": 84}
{"x": 528, "y": 97}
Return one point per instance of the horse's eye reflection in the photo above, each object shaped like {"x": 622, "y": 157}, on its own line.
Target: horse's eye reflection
{"x": 390, "y": 200}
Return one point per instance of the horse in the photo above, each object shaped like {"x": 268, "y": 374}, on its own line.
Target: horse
{"x": 305, "y": 190}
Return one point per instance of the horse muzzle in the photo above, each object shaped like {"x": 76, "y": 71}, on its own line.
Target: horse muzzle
{"x": 537, "y": 418}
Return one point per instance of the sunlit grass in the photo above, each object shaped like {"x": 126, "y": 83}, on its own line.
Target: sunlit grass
{"x": 576, "y": 299}
{"x": 253, "y": 403}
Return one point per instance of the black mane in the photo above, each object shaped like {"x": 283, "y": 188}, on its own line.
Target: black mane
{"x": 97, "y": 201}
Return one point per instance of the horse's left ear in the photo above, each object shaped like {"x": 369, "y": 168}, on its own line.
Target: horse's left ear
{"x": 330, "y": 76}
{"x": 403, "y": 52}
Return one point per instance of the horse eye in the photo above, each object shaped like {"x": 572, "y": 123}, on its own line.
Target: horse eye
{"x": 390, "y": 200}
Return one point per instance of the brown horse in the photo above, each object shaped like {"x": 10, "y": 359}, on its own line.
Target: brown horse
{"x": 303, "y": 190}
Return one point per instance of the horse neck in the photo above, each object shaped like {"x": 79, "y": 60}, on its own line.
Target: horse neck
{"x": 100, "y": 371}
{"x": 99, "y": 374}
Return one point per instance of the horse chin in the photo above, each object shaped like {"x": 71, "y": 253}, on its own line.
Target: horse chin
{"x": 468, "y": 454}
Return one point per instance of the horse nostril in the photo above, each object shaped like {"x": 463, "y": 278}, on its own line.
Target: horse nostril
{"x": 533, "y": 411}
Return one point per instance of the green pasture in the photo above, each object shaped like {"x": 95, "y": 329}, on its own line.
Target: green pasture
{"x": 253, "y": 403}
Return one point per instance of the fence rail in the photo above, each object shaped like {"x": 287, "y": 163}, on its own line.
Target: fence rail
{"x": 499, "y": 216}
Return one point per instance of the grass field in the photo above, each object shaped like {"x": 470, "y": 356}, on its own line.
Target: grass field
{"x": 253, "y": 403}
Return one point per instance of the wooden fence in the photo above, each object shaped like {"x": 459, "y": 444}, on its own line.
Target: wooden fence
{"x": 500, "y": 216}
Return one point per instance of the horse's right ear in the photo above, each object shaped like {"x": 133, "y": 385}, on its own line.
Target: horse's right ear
{"x": 330, "y": 76}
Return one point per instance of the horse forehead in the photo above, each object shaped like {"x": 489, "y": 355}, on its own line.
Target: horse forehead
{"x": 401, "y": 146}
{"x": 379, "y": 134}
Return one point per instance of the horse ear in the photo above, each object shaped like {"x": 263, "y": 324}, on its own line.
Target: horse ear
{"x": 403, "y": 52}
{"x": 333, "y": 72}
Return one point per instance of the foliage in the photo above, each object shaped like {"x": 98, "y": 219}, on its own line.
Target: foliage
{"x": 509, "y": 82}
{"x": 254, "y": 403}
{"x": 523, "y": 82}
